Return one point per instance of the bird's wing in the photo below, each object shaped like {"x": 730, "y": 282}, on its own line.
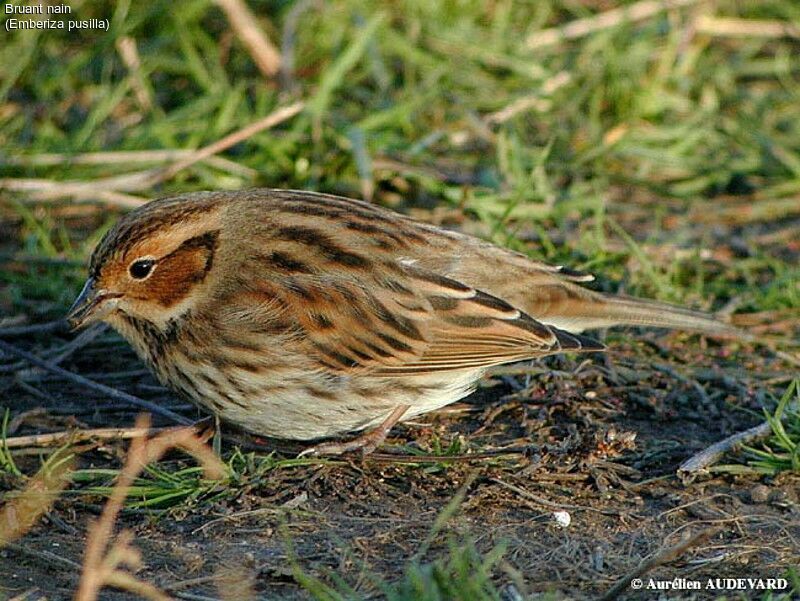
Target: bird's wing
{"x": 408, "y": 320}
{"x": 472, "y": 329}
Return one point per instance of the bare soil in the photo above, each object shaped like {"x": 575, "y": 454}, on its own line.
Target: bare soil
{"x": 369, "y": 517}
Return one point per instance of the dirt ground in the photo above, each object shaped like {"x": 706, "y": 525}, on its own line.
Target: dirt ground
{"x": 675, "y": 394}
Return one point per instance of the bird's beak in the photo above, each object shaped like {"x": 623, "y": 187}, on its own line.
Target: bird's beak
{"x": 91, "y": 305}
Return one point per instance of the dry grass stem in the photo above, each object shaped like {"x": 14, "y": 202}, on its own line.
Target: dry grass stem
{"x": 104, "y": 190}
{"x": 106, "y": 556}
{"x": 605, "y": 20}
{"x": 274, "y": 118}
{"x": 745, "y": 28}
{"x": 124, "y": 157}
{"x": 24, "y": 509}
{"x": 126, "y": 46}
{"x": 750, "y": 211}
{"x": 112, "y": 190}
{"x": 243, "y": 22}
{"x": 533, "y": 102}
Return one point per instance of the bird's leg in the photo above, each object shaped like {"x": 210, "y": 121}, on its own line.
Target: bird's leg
{"x": 366, "y": 443}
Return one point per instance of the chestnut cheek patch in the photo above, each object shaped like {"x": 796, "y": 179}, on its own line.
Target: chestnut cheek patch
{"x": 202, "y": 247}
{"x": 185, "y": 267}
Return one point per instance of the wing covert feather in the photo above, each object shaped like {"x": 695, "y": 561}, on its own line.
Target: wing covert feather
{"x": 408, "y": 320}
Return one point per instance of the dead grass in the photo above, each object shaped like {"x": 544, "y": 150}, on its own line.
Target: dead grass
{"x": 108, "y": 556}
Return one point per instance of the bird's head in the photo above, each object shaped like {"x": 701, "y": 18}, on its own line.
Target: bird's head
{"x": 152, "y": 264}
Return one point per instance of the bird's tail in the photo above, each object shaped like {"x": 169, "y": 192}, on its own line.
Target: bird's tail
{"x": 643, "y": 312}
{"x": 596, "y": 310}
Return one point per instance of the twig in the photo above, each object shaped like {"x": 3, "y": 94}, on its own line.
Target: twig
{"x": 664, "y": 556}
{"x": 606, "y": 20}
{"x": 699, "y": 462}
{"x": 112, "y": 190}
{"x": 75, "y": 436}
{"x": 49, "y": 327}
{"x": 115, "y": 394}
{"x": 459, "y": 458}
{"x": 278, "y": 116}
{"x": 550, "y": 504}
{"x": 195, "y": 597}
{"x": 103, "y": 189}
{"x": 58, "y": 355}
{"x": 46, "y": 556}
{"x": 243, "y": 22}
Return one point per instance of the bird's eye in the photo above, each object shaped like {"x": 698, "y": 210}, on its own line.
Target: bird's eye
{"x": 140, "y": 269}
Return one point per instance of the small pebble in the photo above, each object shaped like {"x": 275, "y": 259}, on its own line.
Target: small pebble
{"x": 562, "y": 518}
{"x": 759, "y": 493}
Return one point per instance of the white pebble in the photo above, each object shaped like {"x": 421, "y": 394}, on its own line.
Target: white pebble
{"x": 562, "y": 518}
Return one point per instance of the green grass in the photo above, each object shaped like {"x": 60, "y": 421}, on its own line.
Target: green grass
{"x": 461, "y": 573}
{"x": 781, "y": 451}
{"x": 167, "y": 485}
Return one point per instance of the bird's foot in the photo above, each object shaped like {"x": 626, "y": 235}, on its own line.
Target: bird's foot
{"x": 365, "y": 443}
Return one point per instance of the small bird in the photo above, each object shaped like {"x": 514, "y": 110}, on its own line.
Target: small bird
{"x": 306, "y": 316}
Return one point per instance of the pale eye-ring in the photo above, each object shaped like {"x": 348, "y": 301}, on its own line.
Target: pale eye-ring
{"x": 141, "y": 268}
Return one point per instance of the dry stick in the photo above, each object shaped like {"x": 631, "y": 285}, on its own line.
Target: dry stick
{"x": 46, "y": 556}
{"x": 115, "y": 394}
{"x": 58, "y": 355}
{"x": 36, "y": 328}
{"x": 127, "y": 182}
{"x": 105, "y": 189}
{"x": 77, "y": 343}
{"x": 243, "y": 22}
{"x": 278, "y": 116}
{"x": 710, "y": 455}
{"x": 552, "y": 505}
{"x": 459, "y": 458}
{"x": 75, "y": 436}
{"x": 664, "y": 556}
{"x": 606, "y": 20}
{"x": 112, "y": 157}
